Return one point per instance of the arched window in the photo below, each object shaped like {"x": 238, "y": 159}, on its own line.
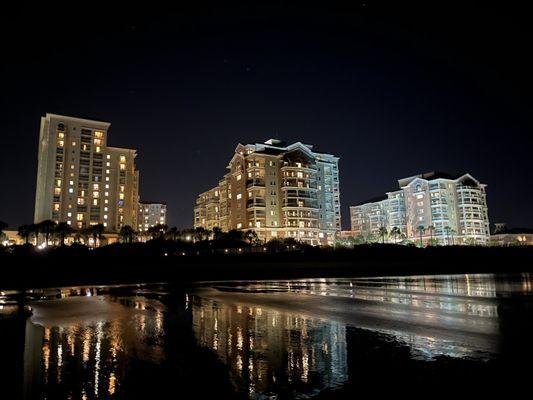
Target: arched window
{"x": 418, "y": 188}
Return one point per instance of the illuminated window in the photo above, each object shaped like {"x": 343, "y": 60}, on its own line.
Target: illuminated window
{"x": 60, "y": 143}
{"x": 108, "y": 164}
{"x": 106, "y": 194}
{"x": 105, "y": 224}
{"x": 239, "y": 177}
{"x": 98, "y": 141}
{"x": 108, "y": 157}
{"x": 122, "y": 159}
{"x": 56, "y": 207}
{"x": 105, "y": 216}
{"x": 69, "y": 214}
{"x": 70, "y": 190}
{"x": 57, "y": 191}
{"x": 58, "y": 182}
{"x": 98, "y": 134}
{"x": 71, "y": 183}
{"x": 105, "y": 209}
{"x": 107, "y": 178}
{"x": 81, "y": 201}
{"x": 79, "y": 217}
{"x": 107, "y": 186}
{"x": 121, "y": 196}
{"x": 95, "y": 202}
{"x": 96, "y": 194}
{"x": 106, "y": 201}
{"x": 96, "y": 186}
{"x": 60, "y": 135}
{"x": 121, "y": 188}
{"x": 98, "y": 149}
{"x": 239, "y": 196}
{"x": 239, "y": 225}
{"x": 73, "y": 143}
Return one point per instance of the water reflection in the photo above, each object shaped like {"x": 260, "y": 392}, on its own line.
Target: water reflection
{"x": 271, "y": 353}
{"x": 81, "y": 348}
{"x": 273, "y": 339}
{"x": 455, "y": 316}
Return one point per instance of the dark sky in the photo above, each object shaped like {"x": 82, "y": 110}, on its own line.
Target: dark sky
{"x": 394, "y": 90}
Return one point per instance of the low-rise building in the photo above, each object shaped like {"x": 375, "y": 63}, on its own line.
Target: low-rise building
{"x": 504, "y": 236}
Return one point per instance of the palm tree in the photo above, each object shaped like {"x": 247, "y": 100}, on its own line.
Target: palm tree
{"x": 157, "y": 230}
{"x": 421, "y": 229}
{"x": 200, "y": 233}
{"x": 452, "y": 231}
{"x": 431, "y": 229}
{"x": 127, "y": 234}
{"x": 46, "y": 227}
{"x": 395, "y": 232}
{"x": 96, "y": 231}
{"x": 63, "y": 230}
{"x": 382, "y": 232}
{"x": 81, "y": 234}
{"x": 25, "y": 232}
{"x": 448, "y": 230}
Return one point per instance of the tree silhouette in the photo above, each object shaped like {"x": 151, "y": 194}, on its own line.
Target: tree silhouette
{"x": 421, "y": 229}
{"x": 46, "y": 227}
{"x": 127, "y": 234}
{"x": 63, "y": 230}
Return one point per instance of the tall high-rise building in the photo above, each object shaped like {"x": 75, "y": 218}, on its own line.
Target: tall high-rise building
{"x": 80, "y": 179}
{"x": 279, "y": 191}
{"x": 151, "y": 214}
{"x": 450, "y": 209}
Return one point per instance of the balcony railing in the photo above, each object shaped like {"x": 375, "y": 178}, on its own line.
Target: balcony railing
{"x": 255, "y": 182}
{"x": 255, "y": 203}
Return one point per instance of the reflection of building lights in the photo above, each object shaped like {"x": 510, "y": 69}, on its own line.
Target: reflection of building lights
{"x": 112, "y": 383}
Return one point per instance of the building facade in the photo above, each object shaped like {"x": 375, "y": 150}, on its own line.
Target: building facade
{"x": 449, "y": 209}
{"x": 151, "y": 214}
{"x": 278, "y": 190}
{"x": 80, "y": 179}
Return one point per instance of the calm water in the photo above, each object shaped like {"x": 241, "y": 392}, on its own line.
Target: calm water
{"x": 269, "y": 339}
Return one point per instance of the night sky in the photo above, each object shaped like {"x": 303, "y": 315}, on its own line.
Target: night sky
{"x": 394, "y": 90}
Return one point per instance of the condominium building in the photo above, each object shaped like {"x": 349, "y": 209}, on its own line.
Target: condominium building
{"x": 279, "y": 191}
{"x": 151, "y": 214}
{"x": 449, "y": 209}
{"x": 80, "y": 179}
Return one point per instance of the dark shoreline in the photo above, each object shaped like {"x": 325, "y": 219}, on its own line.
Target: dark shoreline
{"x": 64, "y": 267}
